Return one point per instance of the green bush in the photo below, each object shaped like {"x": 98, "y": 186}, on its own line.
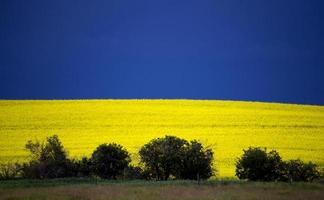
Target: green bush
{"x": 109, "y": 161}
{"x": 297, "y": 170}
{"x": 162, "y": 157}
{"x": 258, "y": 165}
{"x": 82, "y": 168}
{"x": 175, "y": 157}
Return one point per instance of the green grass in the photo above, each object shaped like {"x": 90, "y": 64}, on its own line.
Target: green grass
{"x": 74, "y": 188}
{"x": 26, "y": 183}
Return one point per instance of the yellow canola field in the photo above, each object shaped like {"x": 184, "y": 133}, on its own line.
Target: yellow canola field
{"x": 296, "y": 131}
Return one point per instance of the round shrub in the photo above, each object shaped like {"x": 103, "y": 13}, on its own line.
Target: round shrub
{"x": 109, "y": 160}
{"x": 258, "y": 165}
{"x": 175, "y": 157}
{"x": 162, "y": 157}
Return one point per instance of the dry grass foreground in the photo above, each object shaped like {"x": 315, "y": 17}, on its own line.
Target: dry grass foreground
{"x": 145, "y": 191}
{"x": 295, "y": 131}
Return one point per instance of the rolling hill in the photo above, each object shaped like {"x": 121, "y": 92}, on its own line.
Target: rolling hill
{"x": 295, "y": 131}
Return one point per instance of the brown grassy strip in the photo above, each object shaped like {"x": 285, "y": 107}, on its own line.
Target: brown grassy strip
{"x": 271, "y": 191}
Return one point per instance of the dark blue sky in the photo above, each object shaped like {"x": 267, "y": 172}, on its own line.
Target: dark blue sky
{"x": 259, "y": 50}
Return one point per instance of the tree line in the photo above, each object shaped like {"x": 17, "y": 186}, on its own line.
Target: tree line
{"x": 164, "y": 158}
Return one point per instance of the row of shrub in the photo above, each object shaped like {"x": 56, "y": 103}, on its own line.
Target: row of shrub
{"x": 256, "y": 164}
{"x": 160, "y": 159}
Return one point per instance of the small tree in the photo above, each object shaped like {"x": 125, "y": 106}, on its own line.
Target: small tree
{"x": 53, "y": 151}
{"x": 109, "y": 160}
{"x": 162, "y": 157}
{"x": 258, "y": 165}
{"x": 197, "y": 162}
{"x": 48, "y": 160}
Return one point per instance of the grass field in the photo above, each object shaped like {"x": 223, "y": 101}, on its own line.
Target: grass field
{"x": 296, "y": 131}
{"x": 143, "y": 190}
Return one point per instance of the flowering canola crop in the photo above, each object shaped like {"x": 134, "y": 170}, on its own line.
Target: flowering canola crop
{"x": 295, "y": 131}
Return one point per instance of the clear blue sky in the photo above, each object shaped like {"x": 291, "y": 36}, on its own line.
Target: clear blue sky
{"x": 258, "y": 50}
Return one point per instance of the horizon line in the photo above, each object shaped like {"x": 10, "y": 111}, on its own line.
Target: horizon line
{"x": 156, "y": 99}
